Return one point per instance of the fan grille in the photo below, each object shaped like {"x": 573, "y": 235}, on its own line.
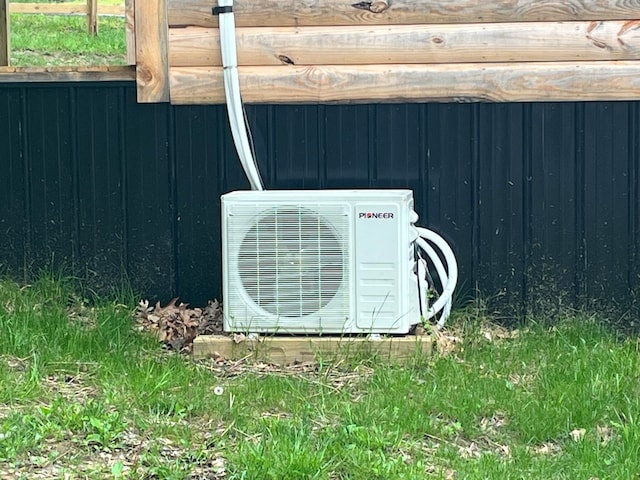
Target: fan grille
{"x": 292, "y": 261}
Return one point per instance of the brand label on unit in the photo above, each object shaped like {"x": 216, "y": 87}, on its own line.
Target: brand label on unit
{"x": 377, "y": 252}
{"x": 382, "y": 215}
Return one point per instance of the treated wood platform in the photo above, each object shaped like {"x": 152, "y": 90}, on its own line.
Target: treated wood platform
{"x": 288, "y": 350}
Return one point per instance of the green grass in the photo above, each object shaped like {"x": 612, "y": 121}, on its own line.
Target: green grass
{"x": 57, "y": 40}
{"x": 82, "y": 393}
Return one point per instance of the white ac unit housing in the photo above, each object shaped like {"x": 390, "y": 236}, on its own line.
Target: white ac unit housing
{"x": 319, "y": 261}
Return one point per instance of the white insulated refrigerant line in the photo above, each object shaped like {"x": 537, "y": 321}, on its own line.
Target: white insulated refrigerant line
{"x": 427, "y": 241}
{"x": 235, "y": 110}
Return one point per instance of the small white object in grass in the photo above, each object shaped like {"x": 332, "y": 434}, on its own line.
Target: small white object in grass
{"x": 218, "y": 390}
{"x": 577, "y": 434}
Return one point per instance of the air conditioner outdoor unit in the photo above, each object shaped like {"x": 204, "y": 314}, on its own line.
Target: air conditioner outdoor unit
{"x": 319, "y": 261}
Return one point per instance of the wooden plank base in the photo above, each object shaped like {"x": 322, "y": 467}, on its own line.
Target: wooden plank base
{"x": 290, "y": 350}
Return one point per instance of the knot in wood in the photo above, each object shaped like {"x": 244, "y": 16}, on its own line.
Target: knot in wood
{"x": 374, "y": 7}
{"x": 286, "y": 60}
{"x": 379, "y": 7}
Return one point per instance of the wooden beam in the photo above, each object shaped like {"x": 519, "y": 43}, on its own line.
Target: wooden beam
{"x": 464, "y": 82}
{"x": 5, "y": 36}
{"x": 151, "y": 51}
{"x": 493, "y": 42}
{"x": 66, "y": 74}
{"x": 130, "y": 31}
{"x": 92, "y": 17}
{"x": 261, "y": 13}
{"x": 290, "y": 350}
{"x": 64, "y": 8}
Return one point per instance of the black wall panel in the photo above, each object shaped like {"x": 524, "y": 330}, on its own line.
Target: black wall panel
{"x": 539, "y": 201}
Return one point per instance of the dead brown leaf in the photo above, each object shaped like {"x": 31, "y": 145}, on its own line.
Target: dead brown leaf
{"x": 547, "y": 448}
{"x": 177, "y": 325}
{"x": 605, "y": 434}
{"x": 470, "y": 450}
{"x": 494, "y": 423}
{"x": 446, "y": 342}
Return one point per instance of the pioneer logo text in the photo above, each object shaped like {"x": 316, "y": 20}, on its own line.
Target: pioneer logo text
{"x": 383, "y": 215}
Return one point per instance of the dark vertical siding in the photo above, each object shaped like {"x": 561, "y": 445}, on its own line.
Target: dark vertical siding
{"x": 51, "y": 187}
{"x": 99, "y": 179}
{"x": 346, "y": 147}
{"x": 199, "y": 181}
{"x": 447, "y": 201}
{"x": 608, "y": 227}
{"x": 540, "y": 201}
{"x": 13, "y": 192}
{"x": 149, "y": 197}
{"x": 502, "y": 184}
{"x": 553, "y": 235}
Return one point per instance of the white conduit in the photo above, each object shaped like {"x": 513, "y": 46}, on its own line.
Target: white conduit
{"x": 232, "y": 93}
{"x": 448, "y": 275}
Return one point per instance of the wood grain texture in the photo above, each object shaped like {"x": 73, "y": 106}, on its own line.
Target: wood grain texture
{"x": 5, "y": 43}
{"x": 290, "y": 350}
{"x": 494, "y": 42}
{"x": 92, "y": 17}
{"x": 130, "y": 31}
{"x": 66, "y": 74}
{"x": 465, "y": 82}
{"x": 63, "y": 8}
{"x": 152, "y": 65}
{"x": 260, "y": 13}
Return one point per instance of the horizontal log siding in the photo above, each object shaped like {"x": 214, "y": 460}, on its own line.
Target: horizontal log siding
{"x": 276, "y": 13}
{"x": 498, "y": 82}
{"x": 360, "y": 45}
{"x": 383, "y": 51}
